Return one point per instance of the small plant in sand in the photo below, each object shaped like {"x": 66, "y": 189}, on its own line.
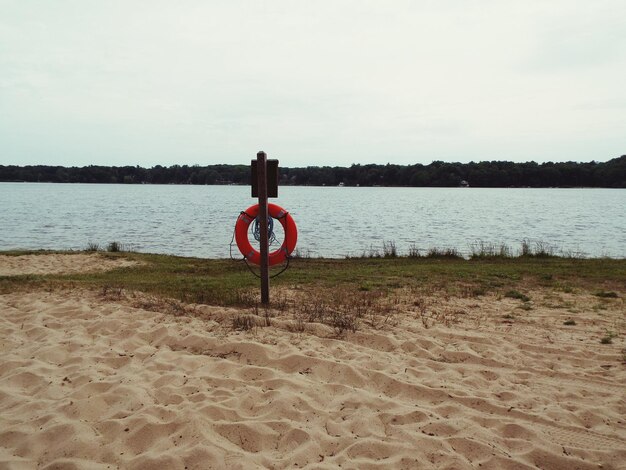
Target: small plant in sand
{"x": 243, "y": 322}
{"x": 342, "y": 322}
{"x": 421, "y": 308}
{"x": 481, "y": 249}
{"x": 541, "y": 250}
{"x": 470, "y": 291}
{"x": 389, "y": 249}
{"x": 112, "y": 292}
{"x": 160, "y": 304}
{"x": 514, "y": 294}
{"x": 114, "y": 247}
{"x": 313, "y": 310}
{"x": 445, "y": 253}
{"x": 569, "y": 322}
{"x": 332, "y": 314}
{"x": 607, "y": 295}
{"x": 544, "y": 250}
{"x": 267, "y": 315}
{"x": 91, "y": 246}
{"x": 280, "y": 302}
{"x": 414, "y": 251}
{"x": 608, "y": 337}
{"x": 343, "y": 309}
{"x": 298, "y": 325}
{"x": 525, "y": 250}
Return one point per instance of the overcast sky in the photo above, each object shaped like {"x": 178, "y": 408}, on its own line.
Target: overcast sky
{"x": 325, "y": 82}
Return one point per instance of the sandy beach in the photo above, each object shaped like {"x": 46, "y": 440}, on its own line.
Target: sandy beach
{"x": 117, "y": 379}
{"x": 55, "y": 263}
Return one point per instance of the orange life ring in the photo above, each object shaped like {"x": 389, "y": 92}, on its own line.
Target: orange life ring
{"x": 277, "y": 212}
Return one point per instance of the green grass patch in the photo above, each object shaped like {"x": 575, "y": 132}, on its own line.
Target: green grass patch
{"x": 227, "y": 282}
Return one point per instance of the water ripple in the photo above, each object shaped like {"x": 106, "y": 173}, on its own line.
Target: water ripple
{"x": 332, "y": 222}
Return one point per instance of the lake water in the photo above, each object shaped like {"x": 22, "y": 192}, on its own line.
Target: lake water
{"x": 332, "y": 221}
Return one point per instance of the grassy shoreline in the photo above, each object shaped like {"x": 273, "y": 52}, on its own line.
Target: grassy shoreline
{"x": 228, "y": 283}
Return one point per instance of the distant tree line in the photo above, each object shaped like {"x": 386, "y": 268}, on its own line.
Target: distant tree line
{"x": 611, "y": 174}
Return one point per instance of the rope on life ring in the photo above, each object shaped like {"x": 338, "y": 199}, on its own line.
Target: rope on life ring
{"x": 243, "y": 243}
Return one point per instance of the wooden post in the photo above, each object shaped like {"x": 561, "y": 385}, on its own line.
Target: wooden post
{"x": 262, "y": 189}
